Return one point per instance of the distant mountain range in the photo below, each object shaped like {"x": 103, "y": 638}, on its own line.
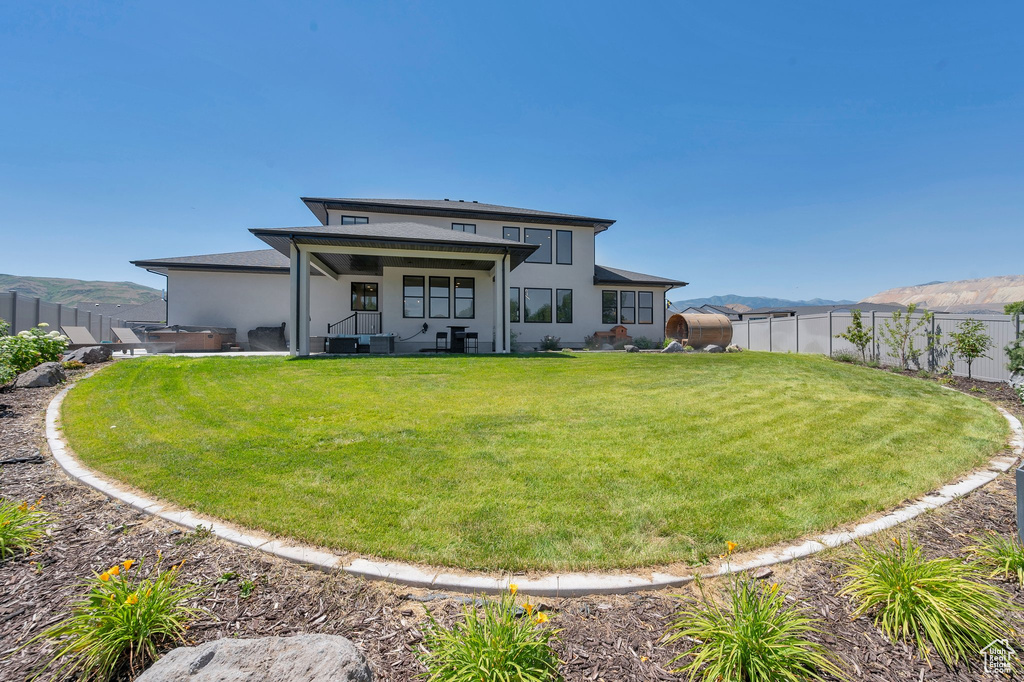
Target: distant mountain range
{"x": 988, "y": 294}
{"x": 752, "y": 301}
{"x": 59, "y": 290}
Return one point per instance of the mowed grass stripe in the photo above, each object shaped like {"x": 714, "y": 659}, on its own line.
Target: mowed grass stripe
{"x": 553, "y": 461}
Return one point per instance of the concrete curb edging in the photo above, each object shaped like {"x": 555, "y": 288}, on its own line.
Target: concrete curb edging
{"x": 555, "y": 585}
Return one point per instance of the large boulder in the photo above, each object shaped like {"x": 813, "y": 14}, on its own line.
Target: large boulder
{"x": 40, "y": 376}
{"x": 630, "y": 349}
{"x": 1017, "y": 381}
{"x": 674, "y": 347}
{"x": 733, "y": 349}
{"x": 304, "y": 658}
{"x": 714, "y": 349}
{"x": 90, "y": 355}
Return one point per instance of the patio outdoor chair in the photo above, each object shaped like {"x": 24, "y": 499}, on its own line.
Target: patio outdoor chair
{"x": 473, "y": 342}
{"x": 80, "y": 336}
{"x": 441, "y": 341}
{"x": 129, "y": 341}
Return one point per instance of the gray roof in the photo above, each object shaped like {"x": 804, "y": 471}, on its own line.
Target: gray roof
{"x": 606, "y": 275}
{"x": 260, "y": 260}
{"x": 451, "y": 208}
{"x": 152, "y": 311}
{"x": 398, "y": 235}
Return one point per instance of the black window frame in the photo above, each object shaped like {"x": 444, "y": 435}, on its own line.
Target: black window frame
{"x": 376, "y": 297}
{"x": 514, "y": 314}
{"x": 623, "y": 307}
{"x": 354, "y": 220}
{"x": 550, "y": 244}
{"x": 640, "y": 307}
{"x": 447, "y": 297}
{"x": 605, "y": 317}
{"x": 405, "y": 296}
{"x": 559, "y": 249}
{"x": 558, "y": 306}
{"x": 472, "y": 297}
{"x": 462, "y": 227}
{"x": 504, "y": 232}
{"x": 549, "y": 304}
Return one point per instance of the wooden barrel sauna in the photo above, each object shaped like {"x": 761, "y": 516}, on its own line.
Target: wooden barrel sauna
{"x": 699, "y": 330}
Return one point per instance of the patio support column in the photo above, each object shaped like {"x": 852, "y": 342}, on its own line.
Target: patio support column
{"x": 506, "y": 268}
{"x": 498, "y": 319}
{"x": 298, "y": 330}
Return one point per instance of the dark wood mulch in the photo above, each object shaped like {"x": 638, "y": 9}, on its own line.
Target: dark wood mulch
{"x": 602, "y": 638}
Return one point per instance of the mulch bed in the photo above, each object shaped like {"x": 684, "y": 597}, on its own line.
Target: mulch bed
{"x": 602, "y": 637}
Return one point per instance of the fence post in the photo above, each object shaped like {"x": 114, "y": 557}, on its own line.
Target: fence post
{"x": 874, "y": 337}
{"x": 14, "y": 311}
{"x": 748, "y": 334}
{"x": 60, "y": 317}
{"x": 830, "y": 333}
{"x": 796, "y": 332}
{"x": 39, "y": 310}
{"x": 770, "y": 345}
{"x": 931, "y": 348}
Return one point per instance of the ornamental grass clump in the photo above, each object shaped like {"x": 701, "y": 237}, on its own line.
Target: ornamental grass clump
{"x": 501, "y": 642}
{"x": 755, "y": 637}
{"x": 22, "y": 527}
{"x": 117, "y": 628}
{"x": 1004, "y": 556}
{"x": 941, "y": 604}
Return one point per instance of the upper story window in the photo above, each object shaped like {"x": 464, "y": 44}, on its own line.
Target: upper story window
{"x": 510, "y": 233}
{"x": 534, "y": 235}
{"x": 354, "y": 220}
{"x": 645, "y": 307}
{"x": 364, "y": 296}
{"x": 563, "y": 247}
{"x": 464, "y": 227}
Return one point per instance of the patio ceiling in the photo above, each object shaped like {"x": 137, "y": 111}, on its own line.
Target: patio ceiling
{"x": 356, "y": 264}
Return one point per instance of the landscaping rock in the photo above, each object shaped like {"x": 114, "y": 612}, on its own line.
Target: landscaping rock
{"x": 90, "y": 355}
{"x": 1016, "y": 381}
{"x": 762, "y": 573}
{"x": 46, "y": 374}
{"x": 304, "y": 658}
{"x": 631, "y": 349}
{"x": 733, "y": 349}
{"x": 714, "y": 349}
{"x": 674, "y": 347}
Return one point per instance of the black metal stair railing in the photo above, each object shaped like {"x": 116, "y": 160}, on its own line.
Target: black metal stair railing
{"x": 359, "y": 322}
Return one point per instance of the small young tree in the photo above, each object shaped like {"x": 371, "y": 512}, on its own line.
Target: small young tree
{"x": 899, "y": 334}
{"x": 1014, "y": 309}
{"x": 970, "y": 342}
{"x": 857, "y": 334}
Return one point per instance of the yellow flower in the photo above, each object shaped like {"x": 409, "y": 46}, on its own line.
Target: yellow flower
{"x": 23, "y": 507}
{"x": 104, "y": 576}
{"x": 529, "y": 608}
{"x": 730, "y": 547}
{"x": 896, "y": 541}
{"x": 541, "y": 617}
{"x": 132, "y": 599}
{"x": 512, "y": 589}
{"x": 114, "y": 570}
{"x": 128, "y": 564}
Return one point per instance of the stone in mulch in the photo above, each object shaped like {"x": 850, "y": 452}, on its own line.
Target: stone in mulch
{"x": 303, "y": 658}
{"x": 41, "y": 376}
{"x": 90, "y": 355}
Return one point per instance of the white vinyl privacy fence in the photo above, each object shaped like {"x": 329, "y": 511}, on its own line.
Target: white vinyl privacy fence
{"x": 24, "y": 312}
{"x": 817, "y": 334}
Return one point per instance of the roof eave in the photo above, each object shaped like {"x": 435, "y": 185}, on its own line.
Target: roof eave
{"x": 671, "y": 284}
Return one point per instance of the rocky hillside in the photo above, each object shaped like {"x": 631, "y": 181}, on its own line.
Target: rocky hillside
{"x": 966, "y": 295}
{"x": 58, "y": 290}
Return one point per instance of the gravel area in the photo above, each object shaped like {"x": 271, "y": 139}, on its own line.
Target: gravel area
{"x": 602, "y": 638}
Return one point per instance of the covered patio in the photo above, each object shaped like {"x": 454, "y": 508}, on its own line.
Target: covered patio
{"x": 391, "y": 254}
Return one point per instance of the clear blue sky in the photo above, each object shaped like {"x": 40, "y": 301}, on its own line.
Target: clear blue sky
{"x": 782, "y": 149}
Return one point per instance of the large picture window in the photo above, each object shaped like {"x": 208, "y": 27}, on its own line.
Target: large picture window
{"x": 533, "y": 235}
{"x": 440, "y": 294}
{"x": 563, "y": 305}
{"x": 465, "y": 298}
{"x": 627, "y": 307}
{"x": 510, "y": 233}
{"x": 354, "y": 220}
{"x": 464, "y": 227}
{"x": 537, "y": 305}
{"x": 364, "y": 296}
{"x": 513, "y": 304}
{"x": 412, "y": 296}
{"x": 563, "y": 247}
{"x": 645, "y": 307}
{"x": 609, "y": 307}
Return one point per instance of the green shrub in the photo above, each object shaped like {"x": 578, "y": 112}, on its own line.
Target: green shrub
{"x": 754, "y": 638}
{"x": 22, "y": 527}
{"x": 942, "y": 602}
{"x": 857, "y": 334}
{"x": 550, "y": 342}
{"x": 117, "y": 628}
{"x": 503, "y": 642}
{"x": 970, "y": 342}
{"x": 644, "y": 343}
{"x": 591, "y": 342}
{"x": 26, "y": 349}
{"x": 688, "y": 348}
{"x": 1005, "y": 556}
{"x": 73, "y": 364}
{"x": 845, "y": 356}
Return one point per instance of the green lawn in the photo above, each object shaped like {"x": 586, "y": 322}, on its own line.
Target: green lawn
{"x": 549, "y": 461}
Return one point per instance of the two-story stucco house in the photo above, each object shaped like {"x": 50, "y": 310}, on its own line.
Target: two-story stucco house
{"x": 395, "y": 266}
